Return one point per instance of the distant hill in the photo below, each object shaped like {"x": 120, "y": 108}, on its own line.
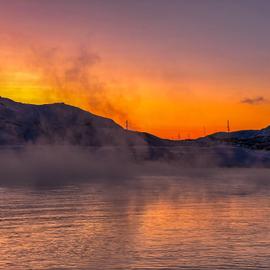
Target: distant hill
{"x": 59, "y": 123}
{"x": 253, "y": 139}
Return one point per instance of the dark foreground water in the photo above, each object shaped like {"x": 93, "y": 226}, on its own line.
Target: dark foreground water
{"x": 209, "y": 220}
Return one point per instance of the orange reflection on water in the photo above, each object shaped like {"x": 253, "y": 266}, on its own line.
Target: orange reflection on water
{"x": 154, "y": 223}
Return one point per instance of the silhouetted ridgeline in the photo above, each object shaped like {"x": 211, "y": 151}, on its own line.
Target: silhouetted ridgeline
{"x": 253, "y": 139}
{"x": 60, "y": 124}
{"x": 63, "y": 124}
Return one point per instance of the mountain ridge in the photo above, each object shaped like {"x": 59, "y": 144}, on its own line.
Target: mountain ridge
{"x": 60, "y": 123}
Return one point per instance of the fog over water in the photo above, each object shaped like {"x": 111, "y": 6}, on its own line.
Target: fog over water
{"x": 35, "y": 165}
{"x": 63, "y": 208}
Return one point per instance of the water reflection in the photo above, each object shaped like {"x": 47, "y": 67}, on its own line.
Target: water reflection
{"x": 219, "y": 220}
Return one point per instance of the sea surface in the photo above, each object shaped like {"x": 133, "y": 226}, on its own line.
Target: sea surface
{"x": 197, "y": 220}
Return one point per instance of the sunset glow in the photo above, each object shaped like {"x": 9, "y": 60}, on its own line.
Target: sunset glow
{"x": 171, "y": 76}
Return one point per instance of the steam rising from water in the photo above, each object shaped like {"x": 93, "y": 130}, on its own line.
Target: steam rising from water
{"x": 72, "y": 79}
{"x": 55, "y": 165}
{"x": 102, "y": 209}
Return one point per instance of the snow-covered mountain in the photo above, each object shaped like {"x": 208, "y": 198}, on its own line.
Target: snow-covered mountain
{"x": 59, "y": 123}
{"x": 254, "y": 139}
{"x": 63, "y": 124}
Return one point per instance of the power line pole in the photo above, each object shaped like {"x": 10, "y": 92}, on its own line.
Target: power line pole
{"x": 126, "y": 124}
{"x": 228, "y": 126}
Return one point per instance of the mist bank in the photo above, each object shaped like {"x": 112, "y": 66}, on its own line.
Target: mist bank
{"x": 56, "y": 165}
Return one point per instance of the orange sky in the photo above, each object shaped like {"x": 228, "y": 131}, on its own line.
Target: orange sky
{"x": 165, "y": 77}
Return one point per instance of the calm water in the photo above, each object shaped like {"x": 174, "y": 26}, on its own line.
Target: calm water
{"x": 216, "y": 221}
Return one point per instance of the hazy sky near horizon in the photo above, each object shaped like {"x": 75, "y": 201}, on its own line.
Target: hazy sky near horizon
{"x": 169, "y": 66}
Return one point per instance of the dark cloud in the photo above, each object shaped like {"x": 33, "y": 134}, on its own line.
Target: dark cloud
{"x": 254, "y": 101}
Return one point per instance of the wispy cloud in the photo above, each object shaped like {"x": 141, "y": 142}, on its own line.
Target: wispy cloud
{"x": 254, "y": 101}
